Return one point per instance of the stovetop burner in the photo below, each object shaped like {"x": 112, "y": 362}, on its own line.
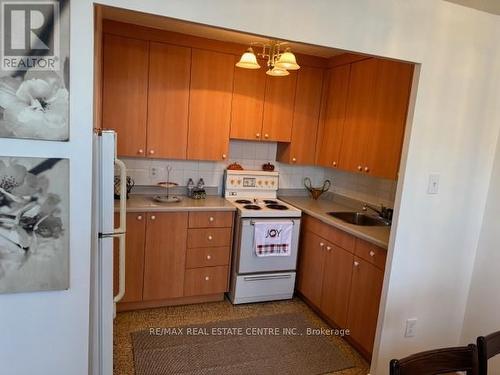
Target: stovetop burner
{"x": 270, "y": 201}
{"x": 252, "y": 207}
{"x": 243, "y": 201}
{"x": 277, "y": 207}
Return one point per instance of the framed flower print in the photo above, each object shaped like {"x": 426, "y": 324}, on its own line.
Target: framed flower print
{"x": 34, "y": 69}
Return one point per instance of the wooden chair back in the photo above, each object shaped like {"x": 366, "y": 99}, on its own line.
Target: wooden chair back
{"x": 487, "y": 346}
{"x": 439, "y": 361}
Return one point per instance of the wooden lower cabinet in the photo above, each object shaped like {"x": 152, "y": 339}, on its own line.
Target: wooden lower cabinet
{"x": 134, "y": 257}
{"x": 336, "y": 284}
{"x": 364, "y": 302}
{"x": 341, "y": 277}
{"x": 206, "y": 280}
{"x": 165, "y": 255}
{"x": 311, "y": 263}
{"x": 175, "y": 258}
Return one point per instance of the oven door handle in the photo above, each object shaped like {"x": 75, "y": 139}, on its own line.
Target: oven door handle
{"x": 252, "y": 222}
{"x": 267, "y": 277}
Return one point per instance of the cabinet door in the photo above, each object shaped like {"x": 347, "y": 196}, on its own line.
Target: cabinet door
{"x": 358, "y": 126}
{"x": 310, "y": 271}
{"x": 125, "y": 92}
{"x": 278, "y": 108}
{"x": 210, "y": 105}
{"x": 390, "y": 108}
{"x": 306, "y": 115}
{"x": 248, "y": 103}
{"x": 364, "y": 302}
{"x": 165, "y": 256}
{"x": 134, "y": 258}
{"x": 336, "y": 284}
{"x": 332, "y": 119}
{"x": 168, "y": 101}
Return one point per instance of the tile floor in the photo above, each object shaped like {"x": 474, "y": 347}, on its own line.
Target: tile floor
{"x": 128, "y": 322}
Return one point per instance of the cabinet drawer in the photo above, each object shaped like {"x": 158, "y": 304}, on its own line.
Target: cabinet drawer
{"x": 210, "y": 219}
{"x": 371, "y": 253}
{"x": 209, "y": 237}
{"x": 328, "y": 232}
{"x": 207, "y": 257}
{"x": 207, "y": 280}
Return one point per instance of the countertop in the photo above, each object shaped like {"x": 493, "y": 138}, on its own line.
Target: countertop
{"x": 145, "y": 203}
{"x": 318, "y": 209}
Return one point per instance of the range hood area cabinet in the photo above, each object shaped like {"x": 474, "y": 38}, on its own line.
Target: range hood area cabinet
{"x": 262, "y": 107}
{"x": 305, "y": 116}
{"x": 364, "y": 117}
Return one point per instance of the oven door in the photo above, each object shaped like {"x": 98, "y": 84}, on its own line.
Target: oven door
{"x": 249, "y": 262}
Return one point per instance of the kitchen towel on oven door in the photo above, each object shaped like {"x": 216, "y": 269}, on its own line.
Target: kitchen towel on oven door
{"x": 273, "y": 238}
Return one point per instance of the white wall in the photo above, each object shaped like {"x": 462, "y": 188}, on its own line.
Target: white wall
{"x": 252, "y": 155}
{"x": 47, "y": 333}
{"x": 454, "y": 132}
{"x": 483, "y": 306}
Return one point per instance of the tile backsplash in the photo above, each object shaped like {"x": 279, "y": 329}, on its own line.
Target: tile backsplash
{"x": 251, "y": 155}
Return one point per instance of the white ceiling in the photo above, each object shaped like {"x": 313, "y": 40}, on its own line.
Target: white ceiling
{"x": 490, "y": 6}
{"x": 210, "y": 32}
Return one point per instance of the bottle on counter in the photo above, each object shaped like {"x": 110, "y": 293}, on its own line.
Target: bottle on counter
{"x": 190, "y": 187}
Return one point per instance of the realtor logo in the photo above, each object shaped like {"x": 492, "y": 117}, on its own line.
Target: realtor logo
{"x": 30, "y": 35}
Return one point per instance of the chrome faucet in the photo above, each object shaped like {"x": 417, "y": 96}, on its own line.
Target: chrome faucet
{"x": 384, "y": 212}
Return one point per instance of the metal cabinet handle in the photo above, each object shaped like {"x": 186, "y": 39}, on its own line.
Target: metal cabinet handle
{"x": 210, "y": 238}
{"x": 294, "y": 159}
{"x": 321, "y": 244}
{"x": 329, "y": 248}
{"x": 360, "y": 168}
{"x": 372, "y": 253}
{"x": 211, "y": 218}
{"x": 257, "y": 135}
{"x": 207, "y": 278}
{"x": 209, "y": 257}
{"x": 367, "y": 169}
{"x": 266, "y": 135}
{"x": 334, "y": 163}
{"x": 140, "y": 151}
{"x": 356, "y": 264}
{"x": 153, "y": 217}
{"x": 151, "y": 152}
{"x": 139, "y": 217}
{"x": 224, "y": 156}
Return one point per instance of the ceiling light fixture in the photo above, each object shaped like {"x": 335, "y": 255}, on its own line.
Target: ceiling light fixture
{"x": 278, "y": 63}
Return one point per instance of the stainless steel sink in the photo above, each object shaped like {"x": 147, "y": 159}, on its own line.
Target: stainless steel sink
{"x": 359, "y": 218}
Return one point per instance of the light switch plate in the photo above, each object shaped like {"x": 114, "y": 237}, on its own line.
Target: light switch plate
{"x": 433, "y": 187}
{"x": 411, "y": 327}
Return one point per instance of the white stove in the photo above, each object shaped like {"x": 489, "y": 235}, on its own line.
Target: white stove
{"x": 254, "y": 278}
{"x": 254, "y": 194}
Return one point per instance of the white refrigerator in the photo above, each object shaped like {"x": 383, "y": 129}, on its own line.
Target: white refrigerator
{"x": 105, "y": 232}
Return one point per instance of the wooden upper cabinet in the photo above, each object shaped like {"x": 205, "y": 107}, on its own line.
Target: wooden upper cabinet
{"x": 364, "y": 302}
{"x": 358, "y": 125}
{"x": 302, "y": 148}
{"x": 331, "y": 126}
{"x": 278, "y": 108}
{"x": 248, "y": 103}
{"x": 390, "y": 107}
{"x": 168, "y": 101}
{"x": 210, "y": 105}
{"x": 125, "y": 92}
{"x": 337, "y": 284}
{"x": 311, "y": 266}
{"x": 165, "y": 255}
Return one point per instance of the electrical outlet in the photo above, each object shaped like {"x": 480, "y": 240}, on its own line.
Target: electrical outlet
{"x": 411, "y": 327}
{"x": 433, "y": 187}
{"x": 153, "y": 172}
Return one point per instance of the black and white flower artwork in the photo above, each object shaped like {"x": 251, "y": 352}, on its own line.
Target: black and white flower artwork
{"x": 34, "y": 97}
{"x": 34, "y": 224}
